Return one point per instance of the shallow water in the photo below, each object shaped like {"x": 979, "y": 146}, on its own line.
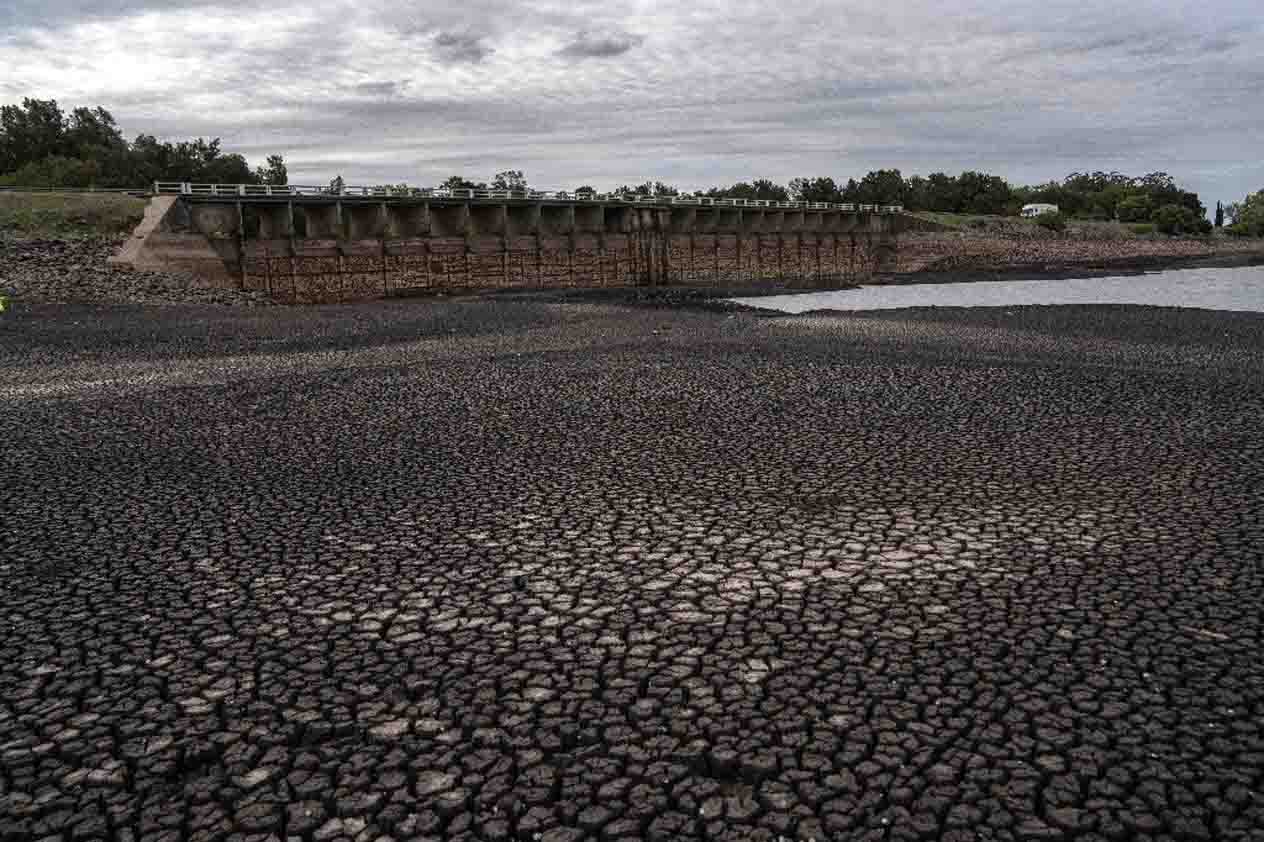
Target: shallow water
{"x": 1239, "y": 288}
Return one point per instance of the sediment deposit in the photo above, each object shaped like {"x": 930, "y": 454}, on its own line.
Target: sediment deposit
{"x": 494, "y": 570}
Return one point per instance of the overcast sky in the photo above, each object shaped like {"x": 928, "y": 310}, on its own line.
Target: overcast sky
{"x": 695, "y": 93}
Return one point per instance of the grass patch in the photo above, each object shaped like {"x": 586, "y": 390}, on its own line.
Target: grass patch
{"x": 69, "y": 214}
{"x": 967, "y": 220}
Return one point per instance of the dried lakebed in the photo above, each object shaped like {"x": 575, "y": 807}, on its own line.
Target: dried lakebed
{"x": 526, "y": 570}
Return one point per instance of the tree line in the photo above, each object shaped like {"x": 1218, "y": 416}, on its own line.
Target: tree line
{"x": 43, "y": 146}
{"x": 1154, "y": 198}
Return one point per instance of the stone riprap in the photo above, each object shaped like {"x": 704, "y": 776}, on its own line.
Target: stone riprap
{"x": 76, "y": 270}
{"x": 558, "y": 571}
{"x": 1019, "y": 246}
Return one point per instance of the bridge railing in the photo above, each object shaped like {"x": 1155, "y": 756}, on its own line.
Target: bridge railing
{"x": 184, "y": 188}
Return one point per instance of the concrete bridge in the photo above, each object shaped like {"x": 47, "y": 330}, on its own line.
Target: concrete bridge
{"x": 317, "y": 244}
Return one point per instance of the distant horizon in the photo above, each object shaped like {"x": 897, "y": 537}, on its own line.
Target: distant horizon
{"x": 606, "y": 94}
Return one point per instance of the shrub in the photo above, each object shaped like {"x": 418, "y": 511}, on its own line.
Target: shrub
{"x": 1052, "y": 220}
{"x": 1177, "y": 219}
{"x": 1244, "y": 229}
{"x": 1135, "y": 208}
{"x": 1142, "y": 228}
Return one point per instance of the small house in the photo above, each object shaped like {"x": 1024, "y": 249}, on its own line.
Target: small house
{"x": 1033, "y": 210}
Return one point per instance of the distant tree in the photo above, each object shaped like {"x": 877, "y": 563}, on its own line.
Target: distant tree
{"x": 54, "y": 171}
{"x": 1220, "y": 215}
{"x": 30, "y": 132}
{"x": 942, "y": 194}
{"x": 647, "y": 188}
{"x": 1137, "y": 207}
{"x": 456, "y": 182}
{"x": 1177, "y": 219}
{"x": 509, "y": 180}
{"x": 92, "y": 127}
{"x": 587, "y": 188}
{"x": 916, "y": 193}
{"x": 982, "y": 193}
{"x": 882, "y": 187}
{"x": 760, "y": 189}
{"x": 1247, "y": 216}
{"x": 1053, "y": 220}
{"x": 336, "y": 184}
{"x": 820, "y": 189}
{"x": 274, "y": 173}
{"x": 38, "y": 134}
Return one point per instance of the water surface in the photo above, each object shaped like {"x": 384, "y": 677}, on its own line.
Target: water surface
{"x": 1238, "y": 288}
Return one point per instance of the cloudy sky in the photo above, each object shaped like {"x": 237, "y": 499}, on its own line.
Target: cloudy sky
{"x": 695, "y": 93}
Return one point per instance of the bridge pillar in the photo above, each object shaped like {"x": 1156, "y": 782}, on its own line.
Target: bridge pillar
{"x": 449, "y": 220}
{"x": 485, "y": 220}
{"x": 684, "y": 220}
{"x": 406, "y": 221}
{"x": 322, "y": 221}
{"x": 522, "y": 220}
{"x": 274, "y": 222}
{"x": 364, "y": 222}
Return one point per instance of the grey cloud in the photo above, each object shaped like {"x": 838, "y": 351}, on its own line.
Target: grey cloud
{"x": 600, "y": 45}
{"x": 415, "y": 92}
{"x": 377, "y": 89}
{"x": 454, "y": 47}
{"x": 51, "y": 14}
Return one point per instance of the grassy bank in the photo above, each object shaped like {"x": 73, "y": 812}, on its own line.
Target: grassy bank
{"x": 56, "y": 215}
{"x": 1017, "y": 225}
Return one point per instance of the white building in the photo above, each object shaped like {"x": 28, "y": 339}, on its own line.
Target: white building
{"x": 1038, "y": 208}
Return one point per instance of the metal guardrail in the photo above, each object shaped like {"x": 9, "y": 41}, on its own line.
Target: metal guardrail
{"x": 300, "y": 190}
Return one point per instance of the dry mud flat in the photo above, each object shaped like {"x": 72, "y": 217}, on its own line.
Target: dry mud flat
{"x": 528, "y": 570}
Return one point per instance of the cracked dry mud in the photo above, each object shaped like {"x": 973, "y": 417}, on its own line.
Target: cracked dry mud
{"x": 527, "y": 570}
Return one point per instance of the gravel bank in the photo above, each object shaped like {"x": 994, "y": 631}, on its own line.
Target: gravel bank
{"x": 535, "y": 570}
{"x": 74, "y": 270}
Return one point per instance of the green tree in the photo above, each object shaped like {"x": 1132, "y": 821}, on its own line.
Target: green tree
{"x": 29, "y": 132}
{"x": 54, "y": 171}
{"x": 1219, "y": 215}
{"x": 760, "y": 189}
{"x": 456, "y": 182}
{"x": 274, "y": 173}
{"x": 1247, "y": 216}
{"x": 917, "y": 193}
{"x": 982, "y": 193}
{"x": 1135, "y": 208}
{"x": 819, "y": 189}
{"x": 509, "y": 180}
{"x": 881, "y": 187}
{"x": 1053, "y": 220}
{"x": 942, "y": 194}
{"x": 1177, "y": 219}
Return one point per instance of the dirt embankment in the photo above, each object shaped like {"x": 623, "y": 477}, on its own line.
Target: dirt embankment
{"x": 1006, "y": 251}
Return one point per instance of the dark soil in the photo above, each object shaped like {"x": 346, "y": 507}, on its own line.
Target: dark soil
{"x": 559, "y": 570}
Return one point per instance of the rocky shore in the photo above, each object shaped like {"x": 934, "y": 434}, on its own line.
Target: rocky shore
{"x": 75, "y": 270}
{"x": 1035, "y": 252}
